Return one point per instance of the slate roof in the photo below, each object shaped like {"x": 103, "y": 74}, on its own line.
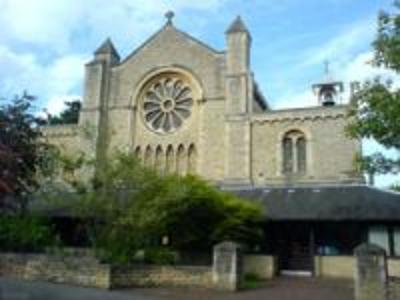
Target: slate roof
{"x": 328, "y": 203}
{"x": 311, "y": 203}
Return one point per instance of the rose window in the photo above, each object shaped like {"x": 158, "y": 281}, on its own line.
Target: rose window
{"x": 167, "y": 104}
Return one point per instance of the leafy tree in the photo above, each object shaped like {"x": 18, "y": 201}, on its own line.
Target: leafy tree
{"x": 395, "y": 187}
{"x": 129, "y": 207}
{"x": 21, "y": 149}
{"x": 70, "y": 115}
{"x": 376, "y": 106}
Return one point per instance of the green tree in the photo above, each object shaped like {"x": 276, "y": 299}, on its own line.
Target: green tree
{"x": 395, "y": 187}
{"x": 21, "y": 152}
{"x": 375, "y": 107}
{"x": 70, "y": 115}
{"x": 129, "y": 207}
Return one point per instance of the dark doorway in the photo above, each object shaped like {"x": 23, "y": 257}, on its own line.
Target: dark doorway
{"x": 295, "y": 249}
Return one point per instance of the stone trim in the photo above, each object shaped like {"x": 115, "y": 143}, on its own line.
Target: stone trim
{"x": 60, "y": 130}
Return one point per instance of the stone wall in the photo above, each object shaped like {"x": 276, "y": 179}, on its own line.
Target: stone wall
{"x": 88, "y": 272}
{"x": 394, "y": 267}
{"x": 343, "y": 266}
{"x": 334, "y": 266}
{"x": 71, "y": 270}
{"x": 148, "y": 276}
{"x": 261, "y": 265}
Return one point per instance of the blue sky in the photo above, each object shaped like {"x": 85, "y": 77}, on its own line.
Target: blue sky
{"x": 44, "y": 43}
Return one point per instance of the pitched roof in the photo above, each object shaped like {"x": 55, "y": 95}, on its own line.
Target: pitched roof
{"x": 169, "y": 26}
{"x": 237, "y": 26}
{"x": 107, "y": 47}
{"x": 330, "y": 203}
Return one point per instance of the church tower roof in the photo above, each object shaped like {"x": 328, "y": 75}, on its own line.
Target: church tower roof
{"x": 107, "y": 48}
{"x": 237, "y": 26}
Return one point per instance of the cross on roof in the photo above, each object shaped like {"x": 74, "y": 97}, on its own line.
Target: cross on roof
{"x": 169, "y": 15}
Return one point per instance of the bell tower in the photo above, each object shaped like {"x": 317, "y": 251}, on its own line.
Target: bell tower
{"x": 328, "y": 90}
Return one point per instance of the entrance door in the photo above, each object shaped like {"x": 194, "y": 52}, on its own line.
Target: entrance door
{"x": 295, "y": 250}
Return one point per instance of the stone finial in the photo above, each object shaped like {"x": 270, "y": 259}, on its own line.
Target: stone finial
{"x": 237, "y": 26}
{"x": 169, "y": 15}
{"x": 107, "y": 47}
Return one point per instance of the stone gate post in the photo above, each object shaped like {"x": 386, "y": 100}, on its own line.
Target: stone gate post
{"x": 370, "y": 273}
{"x": 227, "y": 266}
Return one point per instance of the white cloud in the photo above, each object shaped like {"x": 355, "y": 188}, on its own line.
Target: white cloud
{"x": 22, "y": 71}
{"x": 340, "y": 48}
{"x": 56, "y": 104}
{"x": 53, "y": 24}
{"x": 350, "y": 62}
{"x": 51, "y": 66}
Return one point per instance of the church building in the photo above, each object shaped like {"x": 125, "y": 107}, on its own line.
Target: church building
{"x": 183, "y": 107}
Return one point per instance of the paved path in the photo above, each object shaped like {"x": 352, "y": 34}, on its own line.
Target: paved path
{"x": 278, "y": 289}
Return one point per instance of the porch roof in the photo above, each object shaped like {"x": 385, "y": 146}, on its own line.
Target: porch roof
{"x": 325, "y": 203}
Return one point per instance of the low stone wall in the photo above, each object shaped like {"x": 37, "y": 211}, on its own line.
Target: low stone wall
{"x": 71, "y": 270}
{"x": 148, "y": 276}
{"x": 85, "y": 270}
{"x": 394, "y": 267}
{"x": 334, "y": 266}
{"x": 88, "y": 272}
{"x": 263, "y": 266}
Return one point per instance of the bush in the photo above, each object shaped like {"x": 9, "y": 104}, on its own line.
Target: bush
{"x": 26, "y": 234}
{"x": 160, "y": 256}
{"x": 129, "y": 208}
{"x": 251, "y": 281}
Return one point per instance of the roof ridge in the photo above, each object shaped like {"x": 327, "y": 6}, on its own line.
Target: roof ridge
{"x": 159, "y": 31}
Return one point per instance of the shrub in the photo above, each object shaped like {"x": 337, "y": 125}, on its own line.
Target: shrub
{"x": 129, "y": 208}
{"x": 251, "y": 281}
{"x": 160, "y": 256}
{"x": 26, "y": 234}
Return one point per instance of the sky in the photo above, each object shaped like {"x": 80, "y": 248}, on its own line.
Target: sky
{"x": 44, "y": 44}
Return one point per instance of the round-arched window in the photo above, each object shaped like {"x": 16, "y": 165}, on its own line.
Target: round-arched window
{"x": 167, "y": 102}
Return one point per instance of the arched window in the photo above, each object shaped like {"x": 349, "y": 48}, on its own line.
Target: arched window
{"x": 180, "y": 161}
{"x": 159, "y": 159}
{"x": 138, "y": 153}
{"x": 192, "y": 159}
{"x": 148, "y": 156}
{"x": 301, "y": 154}
{"x": 294, "y": 153}
{"x": 287, "y": 155}
{"x": 169, "y": 163}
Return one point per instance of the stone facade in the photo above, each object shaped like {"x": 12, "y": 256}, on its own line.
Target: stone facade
{"x": 184, "y": 107}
